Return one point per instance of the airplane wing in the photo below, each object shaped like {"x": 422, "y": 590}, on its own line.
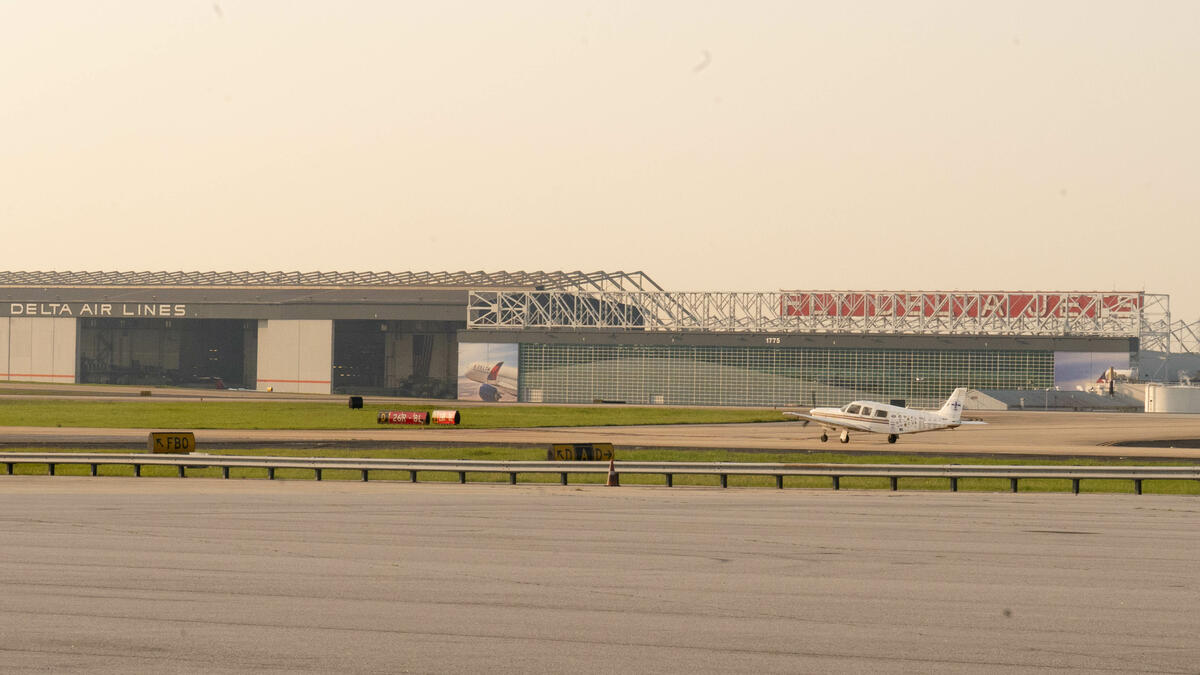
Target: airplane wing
{"x": 829, "y": 424}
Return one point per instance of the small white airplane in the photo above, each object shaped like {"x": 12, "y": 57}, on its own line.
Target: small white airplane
{"x": 494, "y": 380}
{"x": 883, "y": 418}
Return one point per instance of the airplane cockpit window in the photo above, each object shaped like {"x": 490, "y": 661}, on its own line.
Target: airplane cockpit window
{"x": 881, "y": 413}
{"x": 866, "y": 412}
{"x": 852, "y": 408}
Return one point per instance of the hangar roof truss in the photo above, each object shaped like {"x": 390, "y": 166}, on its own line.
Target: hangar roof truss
{"x": 1185, "y": 337}
{"x": 1099, "y": 314}
{"x": 581, "y": 281}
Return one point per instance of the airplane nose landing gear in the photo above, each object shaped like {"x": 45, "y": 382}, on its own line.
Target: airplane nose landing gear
{"x": 824, "y": 436}
{"x": 892, "y": 438}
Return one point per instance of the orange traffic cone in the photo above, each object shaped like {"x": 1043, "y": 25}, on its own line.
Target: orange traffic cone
{"x": 613, "y": 479}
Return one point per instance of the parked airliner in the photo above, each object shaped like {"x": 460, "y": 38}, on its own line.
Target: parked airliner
{"x": 883, "y": 418}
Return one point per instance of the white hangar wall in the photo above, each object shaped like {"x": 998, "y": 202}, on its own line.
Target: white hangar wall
{"x": 37, "y": 349}
{"x": 295, "y": 355}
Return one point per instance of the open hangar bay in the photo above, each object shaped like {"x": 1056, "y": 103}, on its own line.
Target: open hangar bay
{"x": 139, "y": 575}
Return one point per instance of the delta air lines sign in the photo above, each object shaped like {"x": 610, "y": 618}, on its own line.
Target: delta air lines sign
{"x": 94, "y": 309}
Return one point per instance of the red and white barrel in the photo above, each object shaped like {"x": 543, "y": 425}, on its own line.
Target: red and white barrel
{"x": 402, "y": 417}
{"x": 445, "y": 417}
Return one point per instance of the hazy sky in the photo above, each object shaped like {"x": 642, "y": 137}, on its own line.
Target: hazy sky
{"x": 884, "y": 145}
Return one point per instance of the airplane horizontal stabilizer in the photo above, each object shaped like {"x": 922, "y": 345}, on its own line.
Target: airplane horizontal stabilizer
{"x": 803, "y": 418}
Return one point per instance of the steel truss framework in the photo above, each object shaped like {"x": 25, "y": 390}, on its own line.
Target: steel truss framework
{"x": 1185, "y": 337}
{"x": 1155, "y": 334}
{"x": 1099, "y": 314}
{"x": 582, "y": 281}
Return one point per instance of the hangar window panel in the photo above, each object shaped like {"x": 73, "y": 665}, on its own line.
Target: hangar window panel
{"x": 687, "y": 375}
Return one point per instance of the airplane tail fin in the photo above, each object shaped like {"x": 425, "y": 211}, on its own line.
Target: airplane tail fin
{"x": 494, "y": 372}
{"x": 954, "y": 405}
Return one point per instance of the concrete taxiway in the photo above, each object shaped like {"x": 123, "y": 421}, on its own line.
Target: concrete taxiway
{"x": 159, "y": 575}
{"x": 1007, "y": 433}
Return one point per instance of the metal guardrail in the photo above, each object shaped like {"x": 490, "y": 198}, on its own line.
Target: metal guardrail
{"x": 894, "y": 472}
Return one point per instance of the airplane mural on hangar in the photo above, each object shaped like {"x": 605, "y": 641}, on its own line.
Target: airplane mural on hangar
{"x": 495, "y": 381}
{"x": 884, "y": 418}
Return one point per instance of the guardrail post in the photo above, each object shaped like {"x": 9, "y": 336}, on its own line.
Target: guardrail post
{"x": 670, "y": 480}
{"x": 724, "y": 480}
{"x": 93, "y": 469}
{"x": 562, "y": 478}
{"x": 225, "y": 472}
{"x": 364, "y": 475}
{"x": 270, "y": 473}
{"x": 895, "y": 481}
{"x": 512, "y": 478}
{"x": 137, "y": 470}
{"x": 779, "y": 481}
{"x": 462, "y": 477}
{"x": 1012, "y": 483}
{"x": 1075, "y": 486}
{"x": 1137, "y": 486}
{"x": 318, "y": 473}
{"x": 412, "y": 476}
{"x": 9, "y": 465}
{"x": 954, "y": 484}
{"x": 837, "y": 483}
{"x": 51, "y": 466}
{"x": 181, "y": 467}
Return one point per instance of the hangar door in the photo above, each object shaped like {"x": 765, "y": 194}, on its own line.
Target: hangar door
{"x": 395, "y": 358}
{"x": 218, "y": 353}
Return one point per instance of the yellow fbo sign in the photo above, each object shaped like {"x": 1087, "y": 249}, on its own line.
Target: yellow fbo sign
{"x": 580, "y": 452}
{"x": 171, "y": 441}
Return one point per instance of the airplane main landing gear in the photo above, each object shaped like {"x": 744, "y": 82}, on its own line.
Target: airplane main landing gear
{"x": 892, "y": 438}
{"x": 845, "y": 436}
{"x": 824, "y": 436}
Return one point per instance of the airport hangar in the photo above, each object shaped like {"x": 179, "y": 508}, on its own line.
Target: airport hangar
{"x": 565, "y": 337}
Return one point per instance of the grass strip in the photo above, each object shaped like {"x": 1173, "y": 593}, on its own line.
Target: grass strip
{"x": 335, "y": 415}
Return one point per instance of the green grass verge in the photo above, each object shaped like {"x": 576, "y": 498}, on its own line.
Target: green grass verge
{"x": 335, "y": 415}
{"x": 1174, "y": 487}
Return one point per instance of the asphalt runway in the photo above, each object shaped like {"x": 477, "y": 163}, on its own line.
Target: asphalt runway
{"x": 120, "y": 575}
